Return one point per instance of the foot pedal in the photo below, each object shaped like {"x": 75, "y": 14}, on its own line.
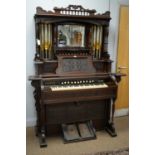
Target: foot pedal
{"x": 74, "y": 132}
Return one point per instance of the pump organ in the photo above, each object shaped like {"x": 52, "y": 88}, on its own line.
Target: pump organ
{"x": 73, "y": 80}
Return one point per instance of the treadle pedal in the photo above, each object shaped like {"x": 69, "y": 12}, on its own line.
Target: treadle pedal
{"x": 79, "y": 131}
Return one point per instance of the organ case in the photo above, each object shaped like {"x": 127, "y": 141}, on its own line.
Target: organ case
{"x": 73, "y": 80}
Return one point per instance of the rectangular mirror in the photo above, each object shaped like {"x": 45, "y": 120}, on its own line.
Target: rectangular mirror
{"x": 71, "y": 35}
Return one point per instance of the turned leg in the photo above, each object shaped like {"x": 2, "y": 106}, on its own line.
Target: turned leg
{"x": 40, "y": 108}
{"x": 42, "y": 135}
{"x": 42, "y": 138}
{"x": 110, "y": 125}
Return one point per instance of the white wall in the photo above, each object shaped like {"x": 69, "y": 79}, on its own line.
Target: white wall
{"x": 99, "y": 5}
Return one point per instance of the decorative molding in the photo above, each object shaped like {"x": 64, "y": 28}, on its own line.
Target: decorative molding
{"x": 40, "y": 10}
{"x": 107, "y": 13}
{"x": 71, "y": 10}
{"x": 74, "y": 10}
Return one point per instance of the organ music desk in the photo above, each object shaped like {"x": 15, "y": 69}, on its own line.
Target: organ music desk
{"x": 73, "y": 81}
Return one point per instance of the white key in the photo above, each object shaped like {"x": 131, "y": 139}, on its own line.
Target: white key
{"x": 79, "y": 87}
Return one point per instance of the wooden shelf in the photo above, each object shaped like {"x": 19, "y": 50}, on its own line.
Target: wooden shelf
{"x": 45, "y": 61}
{"x": 55, "y": 61}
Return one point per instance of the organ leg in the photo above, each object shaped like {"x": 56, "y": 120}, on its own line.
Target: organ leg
{"x": 42, "y": 135}
{"x": 110, "y": 125}
{"x": 42, "y": 138}
{"x": 40, "y": 124}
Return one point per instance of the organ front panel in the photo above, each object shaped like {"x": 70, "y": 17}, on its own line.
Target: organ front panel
{"x": 73, "y": 80}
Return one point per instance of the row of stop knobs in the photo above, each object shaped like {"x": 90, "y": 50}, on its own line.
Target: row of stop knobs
{"x": 78, "y": 82}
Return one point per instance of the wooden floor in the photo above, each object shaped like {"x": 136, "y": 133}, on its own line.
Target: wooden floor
{"x": 103, "y": 142}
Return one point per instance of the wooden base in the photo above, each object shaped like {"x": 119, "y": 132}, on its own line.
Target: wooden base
{"x": 56, "y": 130}
{"x": 111, "y": 129}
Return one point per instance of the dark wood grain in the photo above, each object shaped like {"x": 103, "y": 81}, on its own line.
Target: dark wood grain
{"x": 56, "y": 107}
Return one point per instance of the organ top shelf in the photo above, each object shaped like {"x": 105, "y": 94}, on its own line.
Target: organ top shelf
{"x": 73, "y": 30}
{"x": 74, "y": 11}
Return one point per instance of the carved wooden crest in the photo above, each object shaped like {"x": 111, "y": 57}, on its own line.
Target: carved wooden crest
{"x": 74, "y": 10}
{"x": 70, "y": 10}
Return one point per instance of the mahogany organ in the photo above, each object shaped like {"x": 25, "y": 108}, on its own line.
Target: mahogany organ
{"x": 73, "y": 80}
